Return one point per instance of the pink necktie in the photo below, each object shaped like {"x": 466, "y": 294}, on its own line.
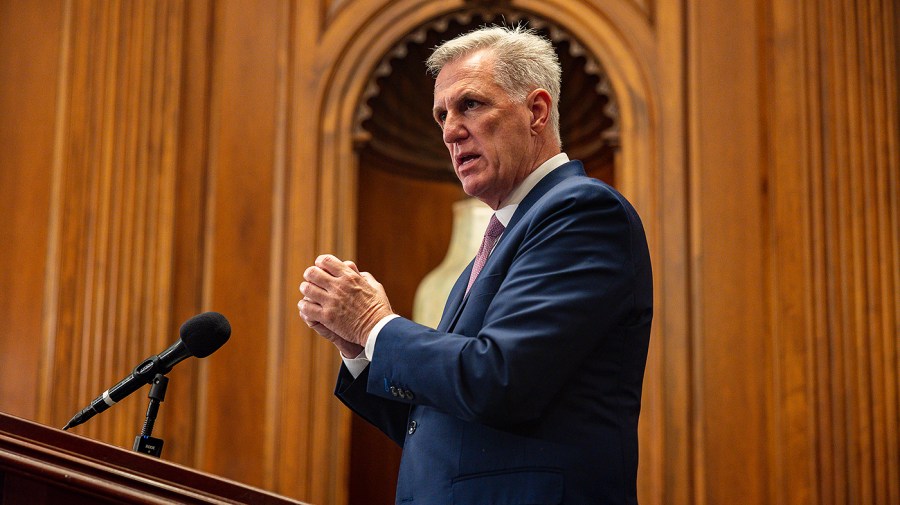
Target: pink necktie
{"x": 493, "y": 232}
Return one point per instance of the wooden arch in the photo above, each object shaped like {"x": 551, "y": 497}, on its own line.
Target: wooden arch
{"x": 620, "y": 35}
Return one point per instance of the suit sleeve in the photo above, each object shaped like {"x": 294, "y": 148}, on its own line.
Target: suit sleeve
{"x": 553, "y": 296}
{"x": 388, "y": 416}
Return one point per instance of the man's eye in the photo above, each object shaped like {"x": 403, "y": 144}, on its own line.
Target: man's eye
{"x": 471, "y": 104}
{"x": 442, "y": 117}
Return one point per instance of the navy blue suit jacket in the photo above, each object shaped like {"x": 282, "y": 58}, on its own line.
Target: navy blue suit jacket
{"x": 529, "y": 390}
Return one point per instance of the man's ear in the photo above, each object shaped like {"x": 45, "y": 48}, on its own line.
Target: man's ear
{"x": 539, "y": 103}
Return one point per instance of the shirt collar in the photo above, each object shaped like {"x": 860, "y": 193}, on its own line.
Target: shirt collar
{"x": 508, "y": 207}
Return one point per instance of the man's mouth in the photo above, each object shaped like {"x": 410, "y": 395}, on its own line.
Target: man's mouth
{"x": 466, "y": 159}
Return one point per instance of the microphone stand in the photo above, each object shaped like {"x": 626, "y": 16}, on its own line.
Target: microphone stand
{"x": 144, "y": 442}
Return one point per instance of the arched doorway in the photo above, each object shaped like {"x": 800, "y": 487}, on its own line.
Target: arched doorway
{"x": 623, "y": 36}
{"x": 406, "y": 182}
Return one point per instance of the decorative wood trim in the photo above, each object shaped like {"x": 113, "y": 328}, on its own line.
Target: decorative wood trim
{"x": 51, "y": 278}
{"x": 647, "y": 8}
{"x": 277, "y": 301}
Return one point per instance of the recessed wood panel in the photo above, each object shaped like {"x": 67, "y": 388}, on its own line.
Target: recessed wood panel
{"x": 729, "y": 304}
{"x": 111, "y": 223}
{"x": 30, "y": 37}
{"x": 239, "y": 233}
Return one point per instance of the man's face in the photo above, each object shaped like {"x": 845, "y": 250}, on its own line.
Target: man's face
{"x": 488, "y": 135}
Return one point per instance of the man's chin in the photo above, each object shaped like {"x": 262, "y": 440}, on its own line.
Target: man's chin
{"x": 468, "y": 187}
{"x": 473, "y": 190}
{"x": 486, "y": 199}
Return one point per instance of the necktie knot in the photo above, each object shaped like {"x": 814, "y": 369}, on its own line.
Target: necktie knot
{"x": 494, "y": 230}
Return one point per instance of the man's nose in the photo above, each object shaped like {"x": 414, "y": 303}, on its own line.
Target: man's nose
{"x": 454, "y": 129}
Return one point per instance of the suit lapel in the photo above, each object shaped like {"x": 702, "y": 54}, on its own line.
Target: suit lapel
{"x": 456, "y": 301}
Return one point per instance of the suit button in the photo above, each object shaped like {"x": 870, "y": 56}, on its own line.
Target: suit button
{"x": 412, "y": 427}
{"x": 394, "y": 391}
{"x": 409, "y": 395}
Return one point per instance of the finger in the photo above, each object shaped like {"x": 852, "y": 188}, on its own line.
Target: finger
{"x": 309, "y": 322}
{"x": 310, "y": 312}
{"x": 313, "y": 292}
{"x": 321, "y": 329}
{"x": 332, "y": 265}
{"x": 318, "y": 277}
{"x": 329, "y": 335}
{"x": 352, "y": 265}
{"x": 311, "y": 272}
{"x": 301, "y": 308}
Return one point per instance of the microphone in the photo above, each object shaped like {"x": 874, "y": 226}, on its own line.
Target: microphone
{"x": 201, "y": 336}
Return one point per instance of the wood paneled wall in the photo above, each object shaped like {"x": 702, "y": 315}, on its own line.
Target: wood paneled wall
{"x": 831, "y": 252}
{"x": 161, "y": 158}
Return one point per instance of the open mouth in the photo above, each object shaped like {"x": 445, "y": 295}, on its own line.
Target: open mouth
{"x": 466, "y": 159}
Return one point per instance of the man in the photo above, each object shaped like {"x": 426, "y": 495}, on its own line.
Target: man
{"x": 529, "y": 389}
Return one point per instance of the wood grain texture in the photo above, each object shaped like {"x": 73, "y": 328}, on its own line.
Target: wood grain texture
{"x": 113, "y": 220}
{"x": 727, "y": 171}
{"x": 854, "y": 190}
{"x": 160, "y": 158}
{"x": 239, "y": 236}
{"x": 30, "y": 54}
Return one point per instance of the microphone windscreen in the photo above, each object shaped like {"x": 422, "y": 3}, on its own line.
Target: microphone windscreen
{"x": 204, "y": 333}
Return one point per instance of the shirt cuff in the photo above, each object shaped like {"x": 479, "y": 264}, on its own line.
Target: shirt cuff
{"x": 373, "y": 335}
{"x": 356, "y": 365}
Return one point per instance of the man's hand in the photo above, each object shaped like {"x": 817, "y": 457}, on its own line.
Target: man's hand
{"x": 341, "y": 303}
{"x": 348, "y": 350}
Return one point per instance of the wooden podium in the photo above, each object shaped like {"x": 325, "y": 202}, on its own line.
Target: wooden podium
{"x": 43, "y": 465}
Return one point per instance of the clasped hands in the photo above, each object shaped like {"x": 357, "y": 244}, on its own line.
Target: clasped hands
{"x": 341, "y": 303}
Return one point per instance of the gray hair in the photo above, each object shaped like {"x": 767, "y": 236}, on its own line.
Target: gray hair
{"x": 523, "y": 62}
